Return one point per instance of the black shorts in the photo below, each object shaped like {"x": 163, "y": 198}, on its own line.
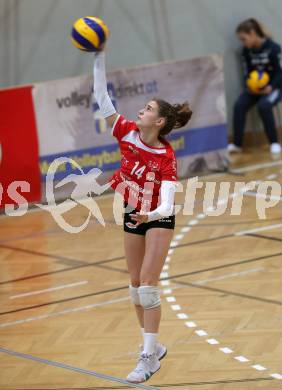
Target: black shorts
{"x": 165, "y": 223}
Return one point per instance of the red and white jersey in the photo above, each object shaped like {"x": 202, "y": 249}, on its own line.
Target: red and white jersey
{"x": 143, "y": 167}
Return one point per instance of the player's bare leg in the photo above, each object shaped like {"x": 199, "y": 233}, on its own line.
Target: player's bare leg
{"x": 157, "y": 243}
{"x": 134, "y": 247}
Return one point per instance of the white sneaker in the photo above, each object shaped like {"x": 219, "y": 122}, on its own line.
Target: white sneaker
{"x": 232, "y": 148}
{"x": 275, "y": 148}
{"x": 160, "y": 350}
{"x": 147, "y": 365}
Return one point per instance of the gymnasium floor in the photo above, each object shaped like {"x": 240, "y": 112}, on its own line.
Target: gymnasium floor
{"x": 66, "y": 319}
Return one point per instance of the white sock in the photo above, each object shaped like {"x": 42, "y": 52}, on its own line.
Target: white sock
{"x": 150, "y": 340}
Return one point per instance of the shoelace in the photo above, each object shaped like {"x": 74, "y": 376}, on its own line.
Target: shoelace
{"x": 142, "y": 364}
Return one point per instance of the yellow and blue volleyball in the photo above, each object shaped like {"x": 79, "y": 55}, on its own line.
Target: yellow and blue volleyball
{"x": 257, "y": 80}
{"x": 89, "y": 34}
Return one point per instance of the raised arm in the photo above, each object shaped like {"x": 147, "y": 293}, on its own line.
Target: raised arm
{"x": 100, "y": 89}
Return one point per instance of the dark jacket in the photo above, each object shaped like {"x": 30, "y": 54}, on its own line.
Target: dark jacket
{"x": 267, "y": 58}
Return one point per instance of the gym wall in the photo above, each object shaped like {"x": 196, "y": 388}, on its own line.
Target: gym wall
{"x": 35, "y": 44}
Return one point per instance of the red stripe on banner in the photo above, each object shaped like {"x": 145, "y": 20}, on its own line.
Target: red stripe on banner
{"x": 19, "y": 155}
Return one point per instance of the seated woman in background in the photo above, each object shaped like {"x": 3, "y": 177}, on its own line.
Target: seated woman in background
{"x": 259, "y": 53}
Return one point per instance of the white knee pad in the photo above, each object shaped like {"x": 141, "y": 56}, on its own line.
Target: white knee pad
{"x": 133, "y": 292}
{"x": 149, "y": 296}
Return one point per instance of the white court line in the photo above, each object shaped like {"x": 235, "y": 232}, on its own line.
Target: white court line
{"x": 190, "y": 324}
{"x": 179, "y": 315}
{"x": 170, "y": 299}
{"x": 201, "y": 332}
{"x": 49, "y": 289}
{"x": 193, "y": 222}
{"x": 260, "y": 229}
{"x": 60, "y": 313}
{"x": 259, "y": 367}
{"x": 175, "y": 307}
{"x": 234, "y": 274}
{"x": 75, "y": 369}
{"x": 276, "y": 376}
{"x": 185, "y": 229}
{"x": 76, "y": 309}
{"x": 250, "y": 168}
{"x": 226, "y": 350}
{"x": 182, "y": 316}
{"x": 212, "y": 341}
{"x": 241, "y": 359}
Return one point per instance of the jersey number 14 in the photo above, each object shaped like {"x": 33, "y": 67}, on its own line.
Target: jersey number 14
{"x": 138, "y": 172}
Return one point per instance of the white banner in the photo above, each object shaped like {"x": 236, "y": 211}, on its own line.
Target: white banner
{"x": 69, "y": 123}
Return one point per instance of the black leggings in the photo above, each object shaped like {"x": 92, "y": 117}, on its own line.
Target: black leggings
{"x": 264, "y": 103}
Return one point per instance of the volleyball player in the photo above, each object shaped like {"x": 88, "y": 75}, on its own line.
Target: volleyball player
{"x": 147, "y": 179}
{"x": 260, "y": 53}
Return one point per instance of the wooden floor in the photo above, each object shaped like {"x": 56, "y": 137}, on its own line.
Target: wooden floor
{"x": 64, "y": 298}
